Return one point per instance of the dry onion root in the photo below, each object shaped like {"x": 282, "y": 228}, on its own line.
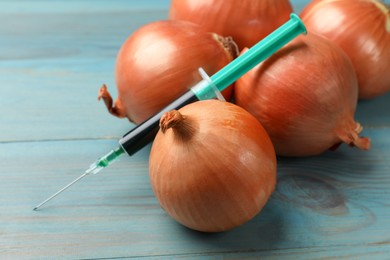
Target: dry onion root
{"x": 159, "y": 62}
{"x": 362, "y": 29}
{"x": 212, "y": 166}
{"x": 305, "y": 96}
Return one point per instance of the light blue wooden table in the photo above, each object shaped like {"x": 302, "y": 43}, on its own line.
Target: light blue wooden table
{"x": 54, "y": 55}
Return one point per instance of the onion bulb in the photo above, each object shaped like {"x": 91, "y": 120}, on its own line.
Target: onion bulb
{"x": 305, "y": 96}
{"x": 212, "y": 165}
{"x": 159, "y": 62}
{"x": 247, "y": 21}
{"x": 362, "y": 29}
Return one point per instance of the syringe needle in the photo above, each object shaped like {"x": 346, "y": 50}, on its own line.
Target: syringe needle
{"x": 93, "y": 168}
{"x": 61, "y": 190}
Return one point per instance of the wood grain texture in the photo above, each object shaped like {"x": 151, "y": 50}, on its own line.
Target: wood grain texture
{"x": 54, "y": 55}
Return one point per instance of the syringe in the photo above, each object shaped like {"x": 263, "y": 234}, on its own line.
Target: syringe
{"x": 207, "y": 88}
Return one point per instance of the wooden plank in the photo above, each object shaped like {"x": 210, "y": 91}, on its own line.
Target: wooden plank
{"x": 53, "y": 57}
{"x": 338, "y": 200}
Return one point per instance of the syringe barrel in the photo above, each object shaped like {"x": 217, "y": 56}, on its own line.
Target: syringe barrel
{"x": 144, "y": 133}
